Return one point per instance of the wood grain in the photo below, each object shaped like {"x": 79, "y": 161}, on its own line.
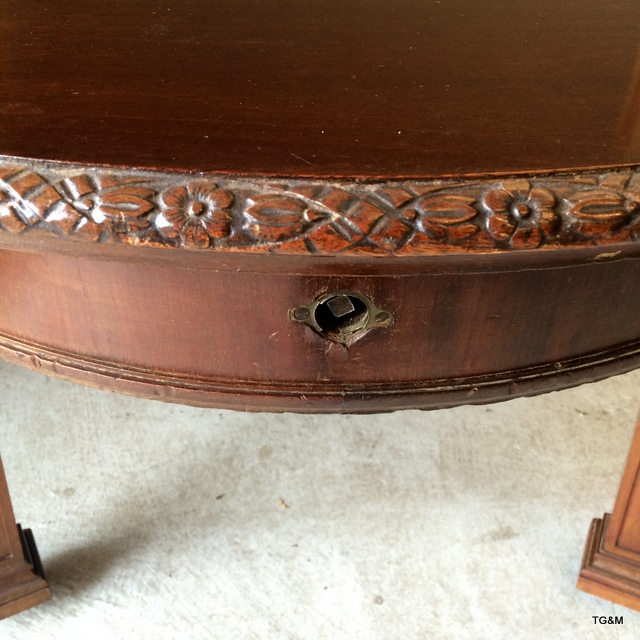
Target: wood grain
{"x": 178, "y": 175}
{"x": 213, "y": 331}
{"x": 611, "y": 562}
{"x": 22, "y": 581}
{"x": 331, "y": 88}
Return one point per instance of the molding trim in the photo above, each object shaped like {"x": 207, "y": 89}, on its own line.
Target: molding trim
{"x": 606, "y": 573}
{"x": 262, "y": 395}
{"x": 304, "y": 216}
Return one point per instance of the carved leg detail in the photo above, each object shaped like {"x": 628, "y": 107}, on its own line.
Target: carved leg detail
{"x": 22, "y": 580}
{"x": 611, "y": 561}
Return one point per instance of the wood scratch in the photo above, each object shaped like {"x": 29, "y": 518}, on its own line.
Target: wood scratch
{"x": 303, "y": 160}
{"x": 607, "y": 256}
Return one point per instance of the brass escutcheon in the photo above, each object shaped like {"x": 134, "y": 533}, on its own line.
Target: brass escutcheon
{"x": 341, "y": 316}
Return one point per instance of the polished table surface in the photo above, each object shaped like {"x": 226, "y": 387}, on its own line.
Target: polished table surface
{"x": 326, "y": 88}
{"x": 336, "y": 205}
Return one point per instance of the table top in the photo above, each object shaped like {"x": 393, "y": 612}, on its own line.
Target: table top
{"x": 326, "y": 88}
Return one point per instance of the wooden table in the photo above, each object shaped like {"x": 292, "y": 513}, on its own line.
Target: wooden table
{"x": 337, "y": 206}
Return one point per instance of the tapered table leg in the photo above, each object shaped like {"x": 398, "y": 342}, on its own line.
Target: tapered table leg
{"x": 611, "y": 561}
{"x": 22, "y": 581}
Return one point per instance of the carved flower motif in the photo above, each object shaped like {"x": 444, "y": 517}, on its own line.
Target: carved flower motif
{"x": 195, "y": 213}
{"x": 521, "y": 215}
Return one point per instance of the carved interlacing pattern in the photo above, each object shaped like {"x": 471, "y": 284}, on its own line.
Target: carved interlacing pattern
{"x": 312, "y": 216}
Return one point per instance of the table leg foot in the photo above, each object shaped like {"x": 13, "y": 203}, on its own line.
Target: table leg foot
{"x": 22, "y": 581}
{"x": 611, "y": 561}
{"x": 23, "y": 584}
{"x": 606, "y": 574}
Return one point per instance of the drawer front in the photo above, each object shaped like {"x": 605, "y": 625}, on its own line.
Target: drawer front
{"x": 208, "y": 336}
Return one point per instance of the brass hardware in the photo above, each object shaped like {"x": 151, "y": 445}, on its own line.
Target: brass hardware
{"x": 341, "y": 316}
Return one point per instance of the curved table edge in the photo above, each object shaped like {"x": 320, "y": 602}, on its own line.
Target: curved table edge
{"x": 291, "y": 397}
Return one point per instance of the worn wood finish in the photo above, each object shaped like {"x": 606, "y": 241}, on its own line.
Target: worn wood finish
{"x": 22, "y": 580}
{"x": 611, "y": 562}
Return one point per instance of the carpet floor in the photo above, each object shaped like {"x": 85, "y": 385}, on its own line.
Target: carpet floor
{"x": 158, "y": 521}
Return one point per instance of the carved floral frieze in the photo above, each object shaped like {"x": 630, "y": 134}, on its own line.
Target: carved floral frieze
{"x": 412, "y": 217}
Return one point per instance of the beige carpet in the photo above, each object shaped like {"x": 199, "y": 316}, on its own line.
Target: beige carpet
{"x": 169, "y": 522}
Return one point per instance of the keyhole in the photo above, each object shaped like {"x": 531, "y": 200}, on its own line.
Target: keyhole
{"x": 342, "y": 314}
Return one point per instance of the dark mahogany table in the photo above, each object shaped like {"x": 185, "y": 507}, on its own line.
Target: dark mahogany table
{"x": 330, "y": 206}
